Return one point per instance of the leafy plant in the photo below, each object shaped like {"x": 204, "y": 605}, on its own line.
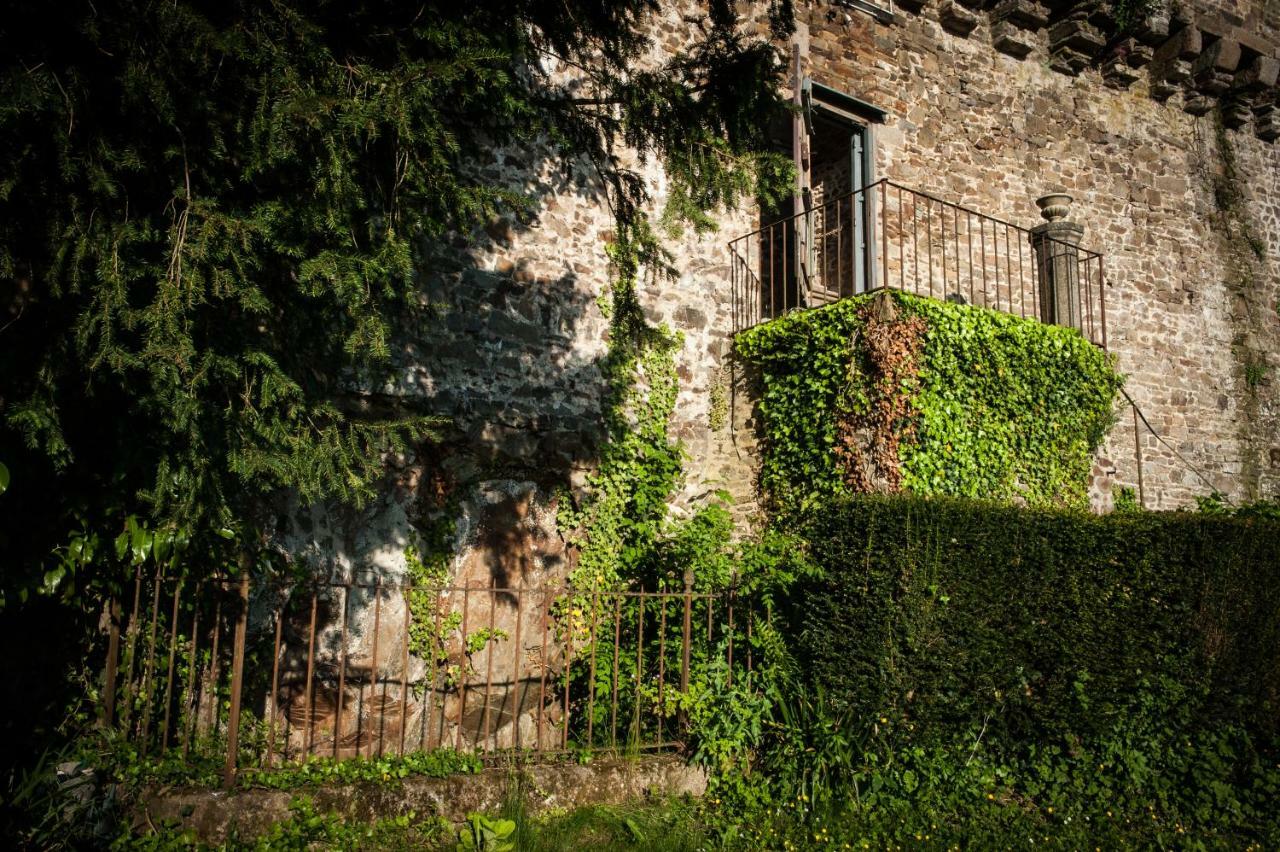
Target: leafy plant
{"x": 718, "y": 400}
{"x": 1129, "y": 13}
{"x": 482, "y": 834}
{"x": 998, "y": 407}
{"x": 817, "y": 745}
{"x": 1255, "y": 372}
{"x": 210, "y": 286}
{"x": 1125, "y": 499}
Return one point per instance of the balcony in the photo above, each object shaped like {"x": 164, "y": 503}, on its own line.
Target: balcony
{"x": 887, "y": 236}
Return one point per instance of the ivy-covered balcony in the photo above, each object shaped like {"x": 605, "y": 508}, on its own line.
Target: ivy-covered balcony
{"x": 888, "y": 391}
{"x": 887, "y": 236}
{"x": 906, "y": 343}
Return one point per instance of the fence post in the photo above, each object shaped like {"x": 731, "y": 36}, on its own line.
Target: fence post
{"x": 113, "y": 652}
{"x": 237, "y": 679}
{"x": 686, "y": 635}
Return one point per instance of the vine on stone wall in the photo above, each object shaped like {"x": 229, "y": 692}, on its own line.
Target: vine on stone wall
{"x": 718, "y": 401}
{"x": 1245, "y": 253}
{"x": 640, "y": 466}
{"x": 1127, "y": 14}
{"x": 990, "y": 406}
{"x": 428, "y": 570}
{"x": 880, "y": 412}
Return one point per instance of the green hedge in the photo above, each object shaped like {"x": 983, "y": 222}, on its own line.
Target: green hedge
{"x": 1043, "y": 626}
{"x": 1005, "y": 408}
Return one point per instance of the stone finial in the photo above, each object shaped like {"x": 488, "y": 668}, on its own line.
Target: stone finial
{"x": 1055, "y": 242}
{"x": 1054, "y": 206}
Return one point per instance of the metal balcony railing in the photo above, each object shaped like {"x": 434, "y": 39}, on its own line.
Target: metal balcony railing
{"x": 887, "y": 236}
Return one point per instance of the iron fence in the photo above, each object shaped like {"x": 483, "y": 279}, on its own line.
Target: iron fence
{"x": 886, "y": 236}
{"x": 267, "y": 673}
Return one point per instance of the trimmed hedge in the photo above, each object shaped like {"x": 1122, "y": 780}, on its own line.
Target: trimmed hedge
{"x": 1039, "y": 625}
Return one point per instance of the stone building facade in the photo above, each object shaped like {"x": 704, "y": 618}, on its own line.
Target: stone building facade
{"x": 1166, "y": 141}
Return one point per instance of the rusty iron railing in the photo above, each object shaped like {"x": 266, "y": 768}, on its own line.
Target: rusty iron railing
{"x": 886, "y": 236}
{"x": 265, "y": 675}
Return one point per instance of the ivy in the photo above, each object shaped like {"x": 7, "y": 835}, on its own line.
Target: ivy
{"x": 1127, "y": 14}
{"x": 640, "y": 465}
{"x": 998, "y": 406}
{"x": 428, "y": 570}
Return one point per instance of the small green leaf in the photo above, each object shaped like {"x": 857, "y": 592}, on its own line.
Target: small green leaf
{"x": 140, "y": 545}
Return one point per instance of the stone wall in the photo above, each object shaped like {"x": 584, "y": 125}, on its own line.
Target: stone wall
{"x": 989, "y": 106}
{"x": 216, "y": 817}
{"x": 1191, "y": 306}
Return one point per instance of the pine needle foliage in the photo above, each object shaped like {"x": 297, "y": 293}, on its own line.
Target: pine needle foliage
{"x": 213, "y": 214}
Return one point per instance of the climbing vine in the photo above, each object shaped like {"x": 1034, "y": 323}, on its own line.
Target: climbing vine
{"x": 427, "y": 568}
{"x": 896, "y": 391}
{"x": 640, "y": 466}
{"x": 1245, "y": 253}
{"x": 1127, "y": 14}
{"x": 718, "y": 400}
{"x": 877, "y": 415}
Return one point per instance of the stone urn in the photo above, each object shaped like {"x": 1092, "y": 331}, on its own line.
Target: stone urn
{"x": 1054, "y": 206}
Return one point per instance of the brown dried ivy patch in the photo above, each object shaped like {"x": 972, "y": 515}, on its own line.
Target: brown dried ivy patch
{"x": 879, "y": 411}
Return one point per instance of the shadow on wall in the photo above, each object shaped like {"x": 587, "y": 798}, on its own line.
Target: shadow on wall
{"x": 512, "y": 355}
{"x": 507, "y": 350}
{"x": 504, "y": 358}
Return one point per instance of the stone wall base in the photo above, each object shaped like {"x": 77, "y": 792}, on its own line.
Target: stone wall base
{"x": 215, "y": 815}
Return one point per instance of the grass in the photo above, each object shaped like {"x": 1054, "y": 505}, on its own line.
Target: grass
{"x": 671, "y": 826}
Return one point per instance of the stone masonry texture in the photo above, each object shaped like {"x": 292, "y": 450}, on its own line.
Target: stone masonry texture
{"x": 1165, "y": 140}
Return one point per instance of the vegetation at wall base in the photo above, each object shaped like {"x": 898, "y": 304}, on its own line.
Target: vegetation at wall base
{"x": 993, "y": 406}
{"x": 213, "y": 219}
{"x": 1127, "y": 663}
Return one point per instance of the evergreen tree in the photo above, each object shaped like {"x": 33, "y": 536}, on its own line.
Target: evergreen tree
{"x": 211, "y": 213}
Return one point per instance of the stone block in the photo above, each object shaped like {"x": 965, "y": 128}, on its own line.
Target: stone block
{"x": 1211, "y": 81}
{"x": 1026, "y": 14}
{"x": 1222, "y": 55}
{"x": 1253, "y": 41}
{"x": 1077, "y": 35}
{"x": 956, "y": 19}
{"x": 1162, "y": 89}
{"x": 1154, "y": 28}
{"x": 1068, "y": 61}
{"x": 1117, "y": 73}
{"x": 1260, "y": 73}
{"x": 1011, "y": 39}
{"x": 1236, "y": 113}
{"x": 1197, "y": 104}
{"x": 1266, "y": 122}
{"x": 1173, "y": 71}
{"x": 1139, "y": 55}
{"x": 912, "y": 6}
{"x": 1186, "y": 43}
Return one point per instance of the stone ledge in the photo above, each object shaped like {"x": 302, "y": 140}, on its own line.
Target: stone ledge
{"x": 956, "y": 19}
{"x": 1209, "y": 59}
{"x": 215, "y": 815}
